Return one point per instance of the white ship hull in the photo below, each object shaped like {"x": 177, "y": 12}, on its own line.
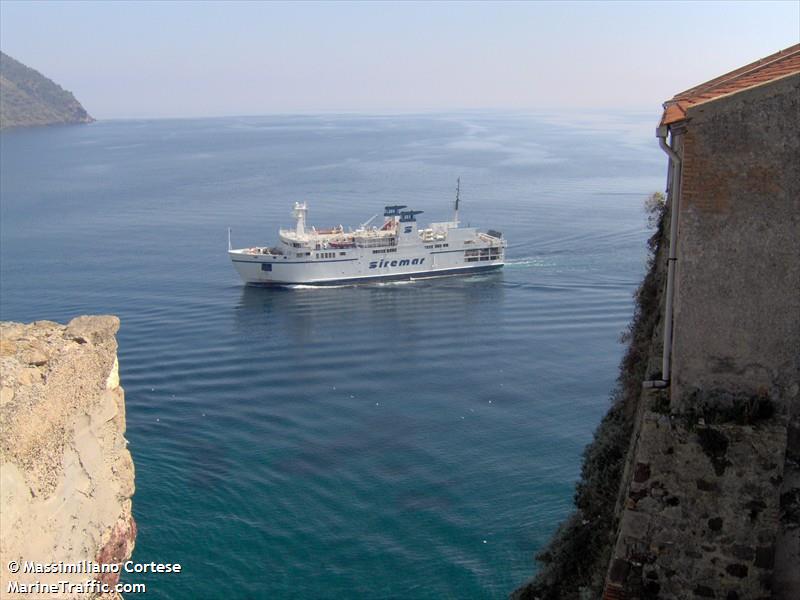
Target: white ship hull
{"x": 397, "y": 250}
{"x": 328, "y": 272}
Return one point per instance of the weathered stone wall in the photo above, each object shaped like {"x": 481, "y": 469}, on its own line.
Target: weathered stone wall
{"x": 737, "y": 303}
{"x": 701, "y": 513}
{"x": 66, "y": 476}
{"x": 713, "y": 504}
{"x": 786, "y": 577}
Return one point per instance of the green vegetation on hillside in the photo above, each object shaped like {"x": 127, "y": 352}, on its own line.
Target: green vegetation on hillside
{"x": 29, "y": 98}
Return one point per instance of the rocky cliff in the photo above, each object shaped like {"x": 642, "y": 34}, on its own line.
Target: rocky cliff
{"x": 574, "y": 563}
{"x": 29, "y": 98}
{"x": 66, "y": 476}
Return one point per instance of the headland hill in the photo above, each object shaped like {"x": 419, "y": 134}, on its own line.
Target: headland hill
{"x": 28, "y": 98}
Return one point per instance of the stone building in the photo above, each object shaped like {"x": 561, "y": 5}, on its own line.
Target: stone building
{"x": 710, "y": 501}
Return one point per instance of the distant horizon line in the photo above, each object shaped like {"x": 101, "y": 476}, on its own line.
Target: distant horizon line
{"x": 389, "y": 113}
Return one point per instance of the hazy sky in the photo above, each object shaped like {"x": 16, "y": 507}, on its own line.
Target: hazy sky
{"x": 148, "y": 59}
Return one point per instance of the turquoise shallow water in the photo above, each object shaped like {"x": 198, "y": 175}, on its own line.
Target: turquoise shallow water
{"x": 408, "y": 440}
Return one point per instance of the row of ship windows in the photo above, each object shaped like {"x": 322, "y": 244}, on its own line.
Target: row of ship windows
{"x": 479, "y": 258}
{"x": 384, "y": 251}
{"x": 482, "y": 254}
{"x": 321, "y": 254}
{"x": 437, "y": 246}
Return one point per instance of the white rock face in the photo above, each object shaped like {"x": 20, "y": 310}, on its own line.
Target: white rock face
{"x": 66, "y": 476}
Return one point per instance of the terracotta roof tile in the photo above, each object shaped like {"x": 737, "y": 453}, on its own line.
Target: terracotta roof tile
{"x": 767, "y": 69}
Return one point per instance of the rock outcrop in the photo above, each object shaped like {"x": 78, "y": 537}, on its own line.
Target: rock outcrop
{"x": 66, "y": 475}
{"x": 29, "y": 98}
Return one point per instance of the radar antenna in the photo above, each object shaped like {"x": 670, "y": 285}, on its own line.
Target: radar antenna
{"x": 393, "y": 211}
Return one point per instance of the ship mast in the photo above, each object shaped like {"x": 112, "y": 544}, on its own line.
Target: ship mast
{"x": 458, "y": 190}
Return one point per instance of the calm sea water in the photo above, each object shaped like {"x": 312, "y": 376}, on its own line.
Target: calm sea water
{"x": 412, "y": 440}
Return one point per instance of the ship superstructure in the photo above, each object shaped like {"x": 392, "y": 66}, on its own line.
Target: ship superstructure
{"x": 396, "y": 249}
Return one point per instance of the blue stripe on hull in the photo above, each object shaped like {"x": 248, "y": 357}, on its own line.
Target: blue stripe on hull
{"x": 388, "y": 277}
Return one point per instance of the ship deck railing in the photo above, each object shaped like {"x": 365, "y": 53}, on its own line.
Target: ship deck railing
{"x": 490, "y": 239}
{"x": 261, "y": 250}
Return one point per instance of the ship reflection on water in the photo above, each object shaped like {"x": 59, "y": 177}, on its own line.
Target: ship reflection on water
{"x": 409, "y": 310}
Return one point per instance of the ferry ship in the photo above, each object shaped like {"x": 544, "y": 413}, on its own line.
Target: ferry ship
{"x": 397, "y": 249}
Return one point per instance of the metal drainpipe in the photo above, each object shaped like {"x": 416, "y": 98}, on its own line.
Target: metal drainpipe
{"x": 675, "y": 195}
